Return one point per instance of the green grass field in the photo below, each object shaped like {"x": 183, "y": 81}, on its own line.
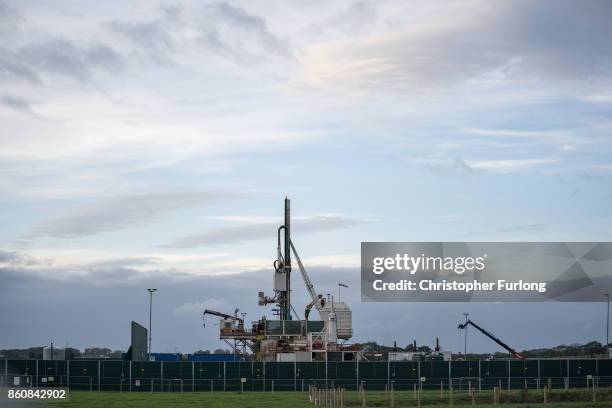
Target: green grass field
{"x": 559, "y": 399}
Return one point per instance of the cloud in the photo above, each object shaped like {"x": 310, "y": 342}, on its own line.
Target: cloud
{"x": 66, "y": 58}
{"x": 232, "y": 32}
{"x": 501, "y": 166}
{"x": 227, "y": 235}
{"x": 514, "y": 228}
{"x": 507, "y": 166}
{"x": 178, "y": 305}
{"x": 57, "y": 56}
{"x": 509, "y": 133}
{"x": 16, "y": 103}
{"x": 219, "y": 27}
{"x": 354, "y": 18}
{"x": 122, "y": 262}
{"x": 12, "y": 67}
{"x": 197, "y": 308}
{"x": 123, "y": 212}
{"x": 154, "y": 38}
{"x": 13, "y": 258}
{"x": 477, "y": 44}
{"x": 9, "y": 17}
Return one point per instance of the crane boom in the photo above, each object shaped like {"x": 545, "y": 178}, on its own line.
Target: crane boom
{"x": 316, "y": 300}
{"x": 224, "y": 315}
{"x": 492, "y": 337}
{"x": 307, "y": 282}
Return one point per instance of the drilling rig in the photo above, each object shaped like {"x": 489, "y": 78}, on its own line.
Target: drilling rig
{"x": 289, "y": 338}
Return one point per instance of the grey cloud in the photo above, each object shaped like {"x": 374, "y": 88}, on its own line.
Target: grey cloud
{"x": 14, "y": 258}
{"x": 123, "y": 212}
{"x": 238, "y": 35}
{"x": 9, "y": 17}
{"x": 227, "y": 235}
{"x": 12, "y": 67}
{"x": 509, "y": 41}
{"x": 224, "y": 29}
{"x": 31, "y": 300}
{"x": 16, "y": 103}
{"x": 154, "y": 38}
{"x": 66, "y": 58}
{"x": 57, "y": 56}
{"x": 354, "y": 18}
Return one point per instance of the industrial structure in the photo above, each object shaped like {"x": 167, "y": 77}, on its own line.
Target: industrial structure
{"x": 289, "y": 339}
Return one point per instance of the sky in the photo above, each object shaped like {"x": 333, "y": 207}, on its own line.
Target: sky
{"x": 149, "y": 144}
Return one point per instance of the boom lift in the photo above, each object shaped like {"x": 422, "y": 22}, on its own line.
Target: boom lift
{"x": 492, "y": 337}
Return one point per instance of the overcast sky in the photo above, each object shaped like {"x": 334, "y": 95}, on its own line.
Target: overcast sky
{"x": 146, "y": 144}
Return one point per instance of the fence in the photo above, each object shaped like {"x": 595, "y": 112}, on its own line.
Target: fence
{"x": 125, "y": 376}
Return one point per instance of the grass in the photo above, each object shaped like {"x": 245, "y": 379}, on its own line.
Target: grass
{"x": 558, "y": 399}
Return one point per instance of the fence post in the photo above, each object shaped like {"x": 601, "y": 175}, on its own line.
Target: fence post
{"x": 388, "y": 372}
{"x": 272, "y": 385}
{"x": 152, "y": 385}
{"x": 130, "y": 374}
{"x": 450, "y": 394}
{"x": 509, "y": 375}
{"x": 325, "y": 370}
{"x": 161, "y": 376}
{"x": 392, "y": 393}
{"x": 98, "y": 375}
{"x": 67, "y": 374}
{"x": 357, "y": 376}
{"x": 224, "y": 375}
{"x": 545, "y": 394}
{"x": 441, "y": 389}
{"x": 192, "y": 376}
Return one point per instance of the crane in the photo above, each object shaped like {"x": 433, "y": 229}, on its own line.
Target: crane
{"x": 492, "y": 337}
{"x": 318, "y": 301}
{"x": 234, "y": 317}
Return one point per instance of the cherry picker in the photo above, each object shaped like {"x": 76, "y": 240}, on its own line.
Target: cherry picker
{"x": 515, "y": 353}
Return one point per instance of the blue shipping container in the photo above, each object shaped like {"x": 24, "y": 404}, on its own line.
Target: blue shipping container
{"x": 213, "y": 357}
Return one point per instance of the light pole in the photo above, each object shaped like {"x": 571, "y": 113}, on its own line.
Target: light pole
{"x": 150, "y": 315}
{"x": 607, "y": 295}
{"x": 465, "y": 341}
